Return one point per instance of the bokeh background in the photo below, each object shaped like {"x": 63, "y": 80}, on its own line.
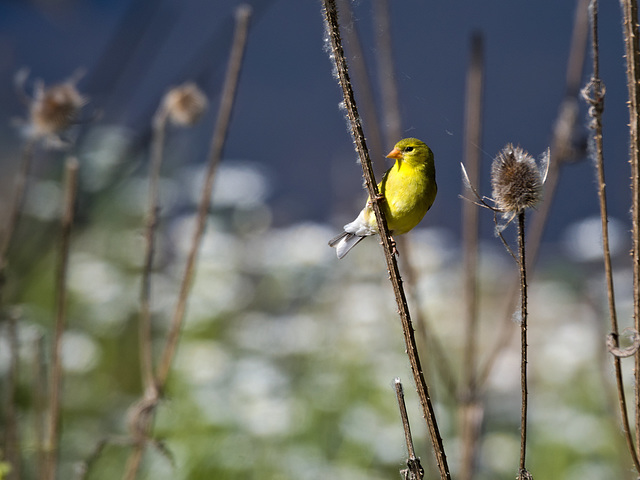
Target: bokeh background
{"x": 287, "y": 359}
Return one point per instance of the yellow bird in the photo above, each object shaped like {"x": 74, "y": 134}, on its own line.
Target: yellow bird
{"x": 409, "y": 189}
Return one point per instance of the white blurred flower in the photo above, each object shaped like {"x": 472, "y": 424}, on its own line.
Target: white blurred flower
{"x": 44, "y": 200}
{"x": 79, "y": 352}
{"x": 237, "y": 184}
{"x": 281, "y": 335}
{"x": 583, "y": 239}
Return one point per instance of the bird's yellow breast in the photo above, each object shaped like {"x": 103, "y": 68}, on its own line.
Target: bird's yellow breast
{"x": 409, "y": 191}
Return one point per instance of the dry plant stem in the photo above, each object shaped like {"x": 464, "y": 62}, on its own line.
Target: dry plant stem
{"x": 393, "y": 131}
{"x": 51, "y": 446}
{"x": 470, "y": 222}
{"x": 146, "y": 354}
{"x": 405, "y": 418}
{"x": 471, "y": 409}
{"x": 12, "y": 437}
{"x": 392, "y": 125}
{"x": 413, "y": 463}
{"x": 143, "y": 420}
{"x": 243, "y": 16}
{"x": 370, "y": 114}
{"x": 333, "y": 31}
{"x": 523, "y": 341}
{"x": 39, "y": 383}
{"x": 17, "y": 200}
{"x": 597, "y": 102}
{"x": 560, "y": 151}
{"x": 632, "y": 55}
{"x": 11, "y": 431}
{"x": 437, "y": 355}
{"x": 386, "y": 70}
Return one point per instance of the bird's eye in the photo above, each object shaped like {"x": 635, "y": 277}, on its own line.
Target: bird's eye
{"x": 408, "y": 149}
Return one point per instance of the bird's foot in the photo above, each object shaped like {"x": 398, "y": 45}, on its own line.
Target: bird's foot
{"x": 394, "y": 249}
{"x": 378, "y": 198}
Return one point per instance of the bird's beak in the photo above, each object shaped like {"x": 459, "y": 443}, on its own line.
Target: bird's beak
{"x": 395, "y": 153}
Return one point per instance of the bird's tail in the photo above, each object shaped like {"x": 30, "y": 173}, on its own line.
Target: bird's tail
{"x": 344, "y": 242}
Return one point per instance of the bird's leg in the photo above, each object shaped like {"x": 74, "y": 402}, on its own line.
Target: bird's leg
{"x": 381, "y": 198}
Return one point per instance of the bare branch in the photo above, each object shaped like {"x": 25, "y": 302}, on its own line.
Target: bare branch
{"x": 333, "y": 32}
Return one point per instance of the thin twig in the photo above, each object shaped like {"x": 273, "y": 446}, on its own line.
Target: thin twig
{"x": 370, "y": 113}
{"x": 40, "y": 401}
{"x": 470, "y": 226}
{"x": 470, "y": 218}
{"x": 414, "y": 469}
{"x": 84, "y": 467}
{"x": 51, "y": 446}
{"x": 436, "y": 352}
{"x": 391, "y": 124}
{"x": 333, "y": 32}
{"x": 523, "y": 343}
{"x": 141, "y": 419}
{"x": 243, "y": 16}
{"x": 562, "y": 151}
{"x": 142, "y": 426}
{"x": 20, "y": 185}
{"x": 594, "y": 94}
{"x": 386, "y": 72}
{"x": 14, "y": 211}
{"x": 12, "y": 434}
{"x": 632, "y": 56}
{"x": 146, "y": 354}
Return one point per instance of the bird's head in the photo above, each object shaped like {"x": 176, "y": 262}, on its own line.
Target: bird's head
{"x": 412, "y": 150}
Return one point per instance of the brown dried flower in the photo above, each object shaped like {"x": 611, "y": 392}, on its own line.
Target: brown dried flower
{"x": 54, "y": 109}
{"x": 516, "y": 180}
{"x": 185, "y": 104}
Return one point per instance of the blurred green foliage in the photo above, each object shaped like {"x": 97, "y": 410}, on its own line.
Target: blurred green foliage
{"x": 287, "y": 358}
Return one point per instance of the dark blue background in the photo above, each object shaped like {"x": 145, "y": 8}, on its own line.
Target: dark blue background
{"x": 287, "y": 116}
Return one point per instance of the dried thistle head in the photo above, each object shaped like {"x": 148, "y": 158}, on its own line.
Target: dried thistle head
{"x": 516, "y": 180}
{"x": 52, "y": 110}
{"x": 185, "y": 104}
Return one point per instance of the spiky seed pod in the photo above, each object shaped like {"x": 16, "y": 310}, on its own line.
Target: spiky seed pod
{"x": 185, "y": 104}
{"x": 516, "y": 180}
{"x": 55, "y": 109}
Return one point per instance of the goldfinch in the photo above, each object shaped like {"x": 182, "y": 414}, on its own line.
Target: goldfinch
{"x": 409, "y": 189}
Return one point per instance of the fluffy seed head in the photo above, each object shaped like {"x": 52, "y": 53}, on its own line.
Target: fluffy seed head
{"x": 185, "y": 104}
{"x": 516, "y": 180}
{"x": 55, "y": 109}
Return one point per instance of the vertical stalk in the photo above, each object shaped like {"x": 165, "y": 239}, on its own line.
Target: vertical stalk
{"x": 523, "y": 474}
{"x": 40, "y": 401}
{"x": 471, "y": 410}
{"x": 391, "y": 123}
{"x": 145, "y": 409}
{"x": 594, "y": 94}
{"x": 632, "y": 55}
{"x": 146, "y": 354}
{"x": 414, "y": 469}
{"x": 386, "y": 73}
{"x": 51, "y": 446}
{"x": 561, "y": 151}
{"x": 12, "y": 436}
{"x": 333, "y": 32}
{"x": 370, "y": 115}
{"x": 243, "y": 16}
{"x": 16, "y": 202}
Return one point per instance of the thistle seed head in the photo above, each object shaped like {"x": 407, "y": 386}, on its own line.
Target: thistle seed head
{"x": 54, "y": 109}
{"x": 516, "y": 180}
{"x": 185, "y": 104}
